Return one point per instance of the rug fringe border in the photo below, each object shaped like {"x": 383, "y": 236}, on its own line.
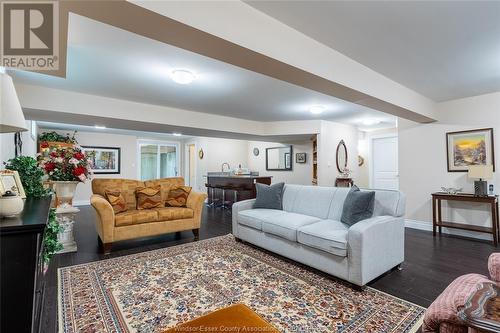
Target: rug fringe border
{"x": 417, "y": 325}
{"x": 59, "y": 302}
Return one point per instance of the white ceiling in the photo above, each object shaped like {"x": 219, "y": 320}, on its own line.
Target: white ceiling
{"x": 107, "y": 61}
{"x": 441, "y": 49}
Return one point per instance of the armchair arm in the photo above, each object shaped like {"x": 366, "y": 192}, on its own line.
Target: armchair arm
{"x": 494, "y": 266}
{"x": 105, "y": 224}
{"x": 238, "y": 207}
{"x": 375, "y": 246}
{"x": 195, "y": 202}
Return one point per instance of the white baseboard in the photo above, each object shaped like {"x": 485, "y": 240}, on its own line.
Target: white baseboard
{"x": 81, "y": 203}
{"x": 427, "y": 226}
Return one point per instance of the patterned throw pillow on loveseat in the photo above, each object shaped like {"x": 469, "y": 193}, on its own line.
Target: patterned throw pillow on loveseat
{"x": 148, "y": 197}
{"x": 116, "y": 199}
{"x": 177, "y": 196}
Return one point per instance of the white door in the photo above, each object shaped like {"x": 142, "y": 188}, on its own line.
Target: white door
{"x": 385, "y": 174}
{"x": 192, "y": 167}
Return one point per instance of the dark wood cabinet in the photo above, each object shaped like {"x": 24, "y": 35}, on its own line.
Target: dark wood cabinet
{"x": 21, "y": 267}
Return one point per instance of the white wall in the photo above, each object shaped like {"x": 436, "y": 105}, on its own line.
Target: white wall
{"x": 328, "y": 139}
{"x": 422, "y": 160}
{"x": 235, "y": 152}
{"x": 301, "y": 173}
{"x": 7, "y": 149}
{"x": 217, "y": 151}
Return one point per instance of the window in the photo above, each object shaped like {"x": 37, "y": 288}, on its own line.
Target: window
{"x": 158, "y": 159}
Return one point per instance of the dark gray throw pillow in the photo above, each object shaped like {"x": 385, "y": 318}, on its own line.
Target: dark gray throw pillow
{"x": 269, "y": 197}
{"x": 358, "y": 205}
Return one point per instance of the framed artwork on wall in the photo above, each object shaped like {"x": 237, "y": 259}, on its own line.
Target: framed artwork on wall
{"x": 300, "y": 158}
{"x": 473, "y": 147}
{"x": 105, "y": 160}
{"x": 10, "y": 181}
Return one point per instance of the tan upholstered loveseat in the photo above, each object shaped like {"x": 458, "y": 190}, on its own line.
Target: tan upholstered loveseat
{"x": 135, "y": 223}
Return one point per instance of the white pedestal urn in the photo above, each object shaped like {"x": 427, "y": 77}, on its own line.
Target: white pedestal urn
{"x": 65, "y": 213}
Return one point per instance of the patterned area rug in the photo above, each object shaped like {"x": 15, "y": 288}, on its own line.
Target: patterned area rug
{"x": 156, "y": 290}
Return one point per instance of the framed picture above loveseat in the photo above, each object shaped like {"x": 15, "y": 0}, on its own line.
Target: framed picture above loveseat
{"x": 105, "y": 160}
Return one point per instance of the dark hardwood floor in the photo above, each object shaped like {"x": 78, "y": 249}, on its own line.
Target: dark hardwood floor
{"x": 431, "y": 263}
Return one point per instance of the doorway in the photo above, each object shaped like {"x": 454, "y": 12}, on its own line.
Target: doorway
{"x": 190, "y": 162}
{"x": 158, "y": 160}
{"x": 385, "y": 170}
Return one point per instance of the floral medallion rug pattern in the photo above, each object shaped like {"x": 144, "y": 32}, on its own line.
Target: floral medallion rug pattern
{"x": 156, "y": 290}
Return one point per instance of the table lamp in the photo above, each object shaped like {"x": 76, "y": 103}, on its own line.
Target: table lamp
{"x": 11, "y": 114}
{"x": 481, "y": 172}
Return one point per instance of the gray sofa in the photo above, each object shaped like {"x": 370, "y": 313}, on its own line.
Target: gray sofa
{"x": 308, "y": 230}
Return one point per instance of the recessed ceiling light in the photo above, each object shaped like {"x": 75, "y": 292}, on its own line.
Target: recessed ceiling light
{"x": 371, "y": 122}
{"x": 176, "y": 134}
{"x": 100, "y": 127}
{"x": 316, "y": 109}
{"x": 182, "y": 76}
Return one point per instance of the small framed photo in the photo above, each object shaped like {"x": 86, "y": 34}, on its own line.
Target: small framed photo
{"x": 105, "y": 160}
{"x": 300, "y": 158}
{"x": 10, "y": 181}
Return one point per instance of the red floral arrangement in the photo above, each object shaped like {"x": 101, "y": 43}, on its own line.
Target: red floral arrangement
{"x": 66, "y": 164}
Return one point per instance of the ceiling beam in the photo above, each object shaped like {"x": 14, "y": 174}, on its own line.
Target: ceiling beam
{"x": 147, "y": 23}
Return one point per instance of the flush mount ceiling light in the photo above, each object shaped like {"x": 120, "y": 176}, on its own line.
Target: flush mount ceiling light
{"x": 100, "y": 127}
{"x": 317, "y": 109}
{"x": 371, "y": 122}
{"x": 182, "y": 76}
{"x": 176, "y": 134}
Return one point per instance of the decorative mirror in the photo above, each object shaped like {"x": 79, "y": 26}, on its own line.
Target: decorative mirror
{"x": 341, "y": 156}
{"x": 279, "y": 158}
{"x": 256, "y": 151}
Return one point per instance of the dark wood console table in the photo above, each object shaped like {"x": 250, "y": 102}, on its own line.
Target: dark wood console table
{"x": 482, "y": 309}
{"x": 437, "y": 220}
{"x": 21, "y": 267}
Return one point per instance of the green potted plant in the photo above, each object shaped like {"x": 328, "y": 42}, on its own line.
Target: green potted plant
{"x": 30, "y": 174}
{"x": 51, "y": 244}
{"x": 56, "y": 137}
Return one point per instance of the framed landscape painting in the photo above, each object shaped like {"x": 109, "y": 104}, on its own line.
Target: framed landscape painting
{"x": 105, "y": 160}
{"x": 474, "y": 147}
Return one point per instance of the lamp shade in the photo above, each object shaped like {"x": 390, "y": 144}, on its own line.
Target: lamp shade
{"x": 11, "y": 115}
{"x": 481, "y": 171}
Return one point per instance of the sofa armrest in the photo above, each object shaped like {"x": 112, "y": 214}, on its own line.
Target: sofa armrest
{"x": 494, "y": 266}
{"x": 375, "y": 246}
{"x": 105, "y": 224}
{"x": 238, "y": 207}
{"x": 195, "y": 201}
